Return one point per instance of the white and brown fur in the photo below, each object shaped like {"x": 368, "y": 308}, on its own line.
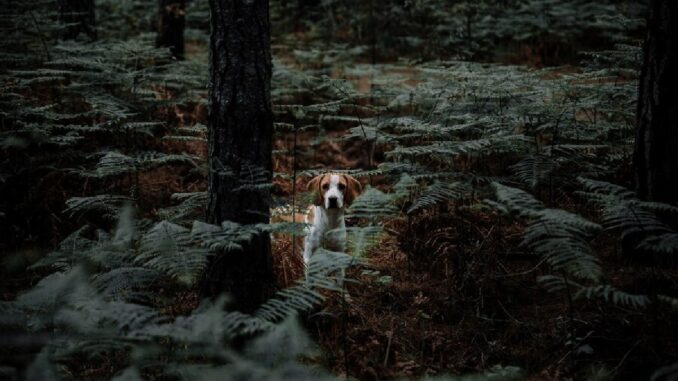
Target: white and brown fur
{"x": 327, "y": 228}
{"x": 333, "y": 193}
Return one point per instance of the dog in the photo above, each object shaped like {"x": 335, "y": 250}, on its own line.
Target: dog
{"x": 333, "y": 192}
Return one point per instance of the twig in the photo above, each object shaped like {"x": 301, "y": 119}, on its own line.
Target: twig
{"x": 388, "y": 345}
{"x": 42, "y": 38}
{"x": 614, "y": 370}
{"x": 522, "y": 272}
{"x": 284, "y": 268}
{"x": 484, "y": 239}
{"x": 508, "y": 314}
{"x": 370, "y": 143}
{"x": 294, "y": 188}
{"x": 344, "y": 327}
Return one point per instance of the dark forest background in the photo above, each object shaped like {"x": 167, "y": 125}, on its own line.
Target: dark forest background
{"x": 518, "y": 158}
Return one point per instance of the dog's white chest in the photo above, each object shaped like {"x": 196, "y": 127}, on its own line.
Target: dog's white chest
{"x": 327, "y": 230}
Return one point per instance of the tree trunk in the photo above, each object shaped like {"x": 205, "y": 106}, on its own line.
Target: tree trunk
{"x": 172, "y": 24}
{"x": 656, "y": 150}
{"x": 240, "y": 144}
{"x": 79, "y": 17}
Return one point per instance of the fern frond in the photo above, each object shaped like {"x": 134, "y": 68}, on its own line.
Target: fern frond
{"x": 560, "y": 237}
{"x": 360, "y": 239}
{"x": 666, "y": 243}
{"x": 372, "y": 203}
{"x": 134, "y": 284}
{"x": 405, "y": 186}
{"x": 208, "y": 324}
{"x": 168, "y": 249}
{"x": 190, "y": 207}
{"x": 517, "y": 200}
{"x": 228, "y": 236}
{"x": 623, "y": 211}
{"x": 439, "y": 192}
{"x": 604, "y": 292}
{"x": 670, "y": 301}
{"x": 613, "y": 295}
{"x": 534, "y": 170}
{"x": 106, "y": 205}
{"x": 288, "y": 302}
{"x": 605, "y": 188}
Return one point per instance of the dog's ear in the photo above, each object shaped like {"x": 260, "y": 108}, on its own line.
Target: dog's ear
{"x": 314, "y": 186}
{"x": 353, "y": 189}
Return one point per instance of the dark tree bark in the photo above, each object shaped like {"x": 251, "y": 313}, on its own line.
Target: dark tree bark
{"x": 656, "y": 150}
{"x": 240, "y": 144}
{"x": 172, "y": 22}
{"x": 79, "y": 17}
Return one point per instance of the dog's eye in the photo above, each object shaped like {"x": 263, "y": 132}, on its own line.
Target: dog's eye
{"x": 326, "y": 186}
{"x": 341, "y": 187}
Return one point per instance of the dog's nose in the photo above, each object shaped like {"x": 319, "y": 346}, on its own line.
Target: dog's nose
{"x": 332, "y": 201}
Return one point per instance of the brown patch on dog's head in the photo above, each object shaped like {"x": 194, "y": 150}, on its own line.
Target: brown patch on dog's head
{"x": 314, "y": 185}
{"x": 353, "y": 188}
{"x": 340, "y": 190}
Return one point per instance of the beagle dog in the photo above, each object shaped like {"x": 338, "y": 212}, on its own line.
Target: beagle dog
{"x": 327, "y": 228}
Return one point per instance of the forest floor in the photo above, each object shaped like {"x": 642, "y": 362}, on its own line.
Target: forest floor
{"x": 444, "y": 292}
{"x": 454, "y": 292}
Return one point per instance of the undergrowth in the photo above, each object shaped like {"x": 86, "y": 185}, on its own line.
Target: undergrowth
{"x": 103, "y": 156}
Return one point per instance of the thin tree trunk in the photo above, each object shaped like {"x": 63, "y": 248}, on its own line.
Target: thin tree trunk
{"x": 79, "y": 17}
{"x": 240, "y": 144}
{"x": 172, "y": 22}
{"x": 656, "y": 149}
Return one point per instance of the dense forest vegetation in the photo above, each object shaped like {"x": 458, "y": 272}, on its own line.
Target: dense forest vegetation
{"x": 518, "y": 218}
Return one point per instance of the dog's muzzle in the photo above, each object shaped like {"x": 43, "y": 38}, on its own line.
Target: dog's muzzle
{"x": 333, "y": 203}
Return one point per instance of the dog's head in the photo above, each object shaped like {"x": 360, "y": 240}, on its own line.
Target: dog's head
{"x": 334, "y": 191}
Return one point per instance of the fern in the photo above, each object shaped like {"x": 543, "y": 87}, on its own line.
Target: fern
{"x": 613, "y": 295}
{"x": 190, "y": 207}
{"x": 167, "y": 248}
{"x": 133, "y": 284}
{"x": 371, "y": 204}
{"x": 535, "y": 170}
{"x": 439, "y": 192}
{"x": 102, "y": 316}
{"x": 114, "y": 164}
{"x": 663, "y": 243}
{"x": 208, "y": 324}
{"x": 606, "y": 292}
{"x": 623, "y": 211}
{"x": 670, "y": 301}
{"x": 361, "y": 239}
{"x": 516, "y": 200}
{"x": 404, "y": 188}
{"x": 560, "y": 237}
{"x": 228, "y": 236}
{"x": 51, "y": 302}
{"x": 454, "y": 126}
